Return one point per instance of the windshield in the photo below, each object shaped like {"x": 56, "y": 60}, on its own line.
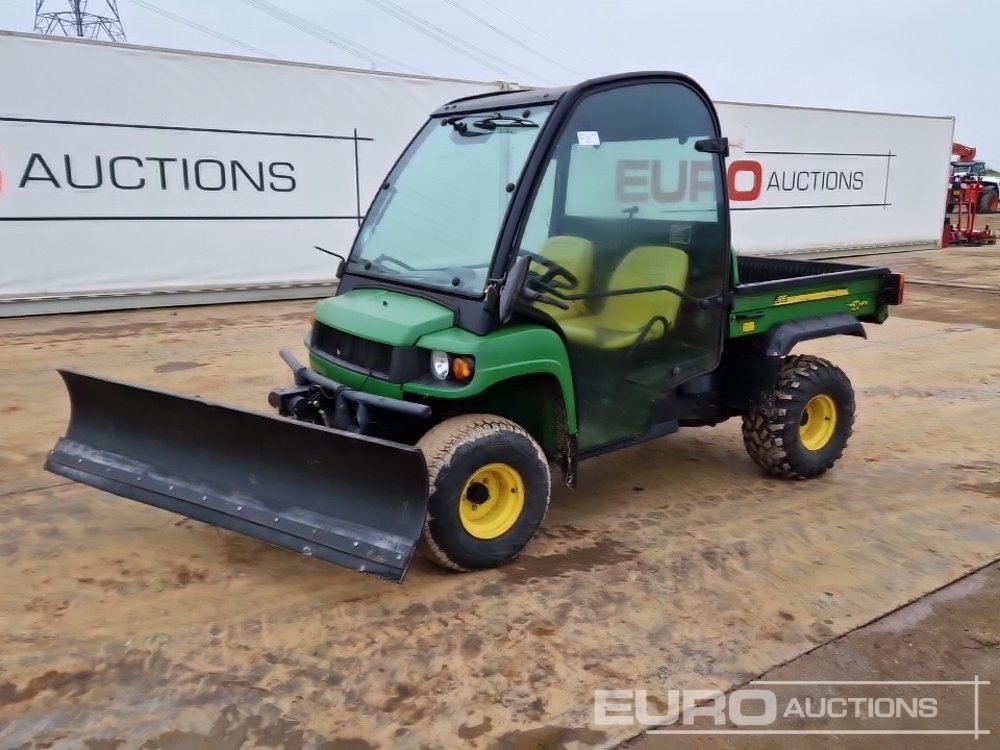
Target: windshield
{"x": 973, "y": 168}
{"x": 437, "y": 220}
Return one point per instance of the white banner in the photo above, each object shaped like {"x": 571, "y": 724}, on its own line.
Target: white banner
{"x": 808, "y": 180}
{"x": 193, "y": 172}
{"x": 63, "y": 172}
{"x": 189, "y": 171}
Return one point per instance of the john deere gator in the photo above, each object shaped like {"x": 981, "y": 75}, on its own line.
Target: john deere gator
{"x": 544, "y": 276}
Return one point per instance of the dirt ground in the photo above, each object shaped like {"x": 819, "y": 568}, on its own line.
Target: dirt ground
{"x": 950, "y": 635}
{"x": 676, "y": 564}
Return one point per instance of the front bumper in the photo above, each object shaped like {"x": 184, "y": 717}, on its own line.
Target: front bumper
{"x": 317, "y": 398}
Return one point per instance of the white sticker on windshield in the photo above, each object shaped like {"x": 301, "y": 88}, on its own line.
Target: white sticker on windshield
{"x": 588, "y": 138}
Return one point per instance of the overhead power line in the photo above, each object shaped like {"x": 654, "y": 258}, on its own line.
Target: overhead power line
{"x": 509, "y": 37}
{"x": 319, "y": 32}
{"x": 197, "y": 26}
{"x": 447, "y": 38}
{"x": 523, "y": 25}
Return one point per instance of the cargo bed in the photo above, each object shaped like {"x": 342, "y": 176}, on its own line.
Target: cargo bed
{"x": 769, "y": 291}
{"x": 757, "y": 274}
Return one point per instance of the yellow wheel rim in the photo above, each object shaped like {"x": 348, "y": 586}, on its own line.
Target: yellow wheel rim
{"x": 819, "y": 422}
{"x": 492, "y": 501}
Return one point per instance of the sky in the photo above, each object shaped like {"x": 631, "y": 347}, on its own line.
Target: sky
{"x": 931, "y": 57}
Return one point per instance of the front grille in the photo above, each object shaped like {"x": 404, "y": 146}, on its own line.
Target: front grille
{"x": 370, "y": 356}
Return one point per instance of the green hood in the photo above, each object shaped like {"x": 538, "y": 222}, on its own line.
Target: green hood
{"x": 383, "y": 316}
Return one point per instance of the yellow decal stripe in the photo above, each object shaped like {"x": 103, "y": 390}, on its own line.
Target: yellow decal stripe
{"x": 791, "y": 299}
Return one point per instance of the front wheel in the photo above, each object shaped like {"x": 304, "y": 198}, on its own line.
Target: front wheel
{"x": 801, "y": 430}
{"x": 489, "y": 491}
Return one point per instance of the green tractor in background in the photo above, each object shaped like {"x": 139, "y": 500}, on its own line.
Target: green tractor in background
{"x": 544, "y": 276}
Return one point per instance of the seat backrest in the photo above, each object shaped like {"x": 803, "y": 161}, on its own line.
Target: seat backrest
{"x": 576, "y": 255}
{"x": 649, "y": 265}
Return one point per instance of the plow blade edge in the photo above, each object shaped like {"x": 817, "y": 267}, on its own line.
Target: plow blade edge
{"x": 352, "y": 500}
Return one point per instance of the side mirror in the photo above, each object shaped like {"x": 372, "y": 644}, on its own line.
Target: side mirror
{"x": 512, "y": 287}
{"x": 713, "y": 146}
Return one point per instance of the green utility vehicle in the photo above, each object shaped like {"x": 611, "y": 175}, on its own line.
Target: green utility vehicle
{"x": 544, "y": 276}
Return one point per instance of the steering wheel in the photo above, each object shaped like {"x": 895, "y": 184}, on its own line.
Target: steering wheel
{"x": 548, "y": 279}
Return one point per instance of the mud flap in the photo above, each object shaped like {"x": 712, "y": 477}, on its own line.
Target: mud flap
{"x": 348, "y": 499}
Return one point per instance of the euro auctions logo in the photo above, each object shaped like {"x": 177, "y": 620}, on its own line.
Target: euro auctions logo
{"x": 773, "y": 180}
{"x": 73, "y": 172}
{"x": 81, "y": 171}
{"x": 773, "y": 707}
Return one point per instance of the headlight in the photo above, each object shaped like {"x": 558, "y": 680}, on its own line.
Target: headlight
{"x": 459, "y": 367}
{"x": 440, "y": 365}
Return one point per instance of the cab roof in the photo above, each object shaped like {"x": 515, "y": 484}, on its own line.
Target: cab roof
{"x": 494, "y": 99}
{"x": 528, "y": 97}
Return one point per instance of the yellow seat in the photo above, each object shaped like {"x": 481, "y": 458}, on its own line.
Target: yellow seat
{"x": 624, "y": 318}
{"x": 576, "y": 255}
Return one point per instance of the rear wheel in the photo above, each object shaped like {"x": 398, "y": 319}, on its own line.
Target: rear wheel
{"x": 989, "y": 202}
{"x": 489, "y": 491}
{"x": 802, "y": 430}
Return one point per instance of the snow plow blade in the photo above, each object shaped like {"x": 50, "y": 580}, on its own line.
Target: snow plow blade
{"x": 348, "y": 499}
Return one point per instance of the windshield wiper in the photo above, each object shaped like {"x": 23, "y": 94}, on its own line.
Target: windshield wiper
{"x": 504, "y": 121}
{"x": 490, "y": 123}
{"x": 380, "y": 262}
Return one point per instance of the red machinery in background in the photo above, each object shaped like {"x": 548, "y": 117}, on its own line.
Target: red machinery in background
{"x": 963, "y": 152}
{"x": 968, "y": 167}
{"x": 965, "y": 197}
{"x": 965, "y": 194}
